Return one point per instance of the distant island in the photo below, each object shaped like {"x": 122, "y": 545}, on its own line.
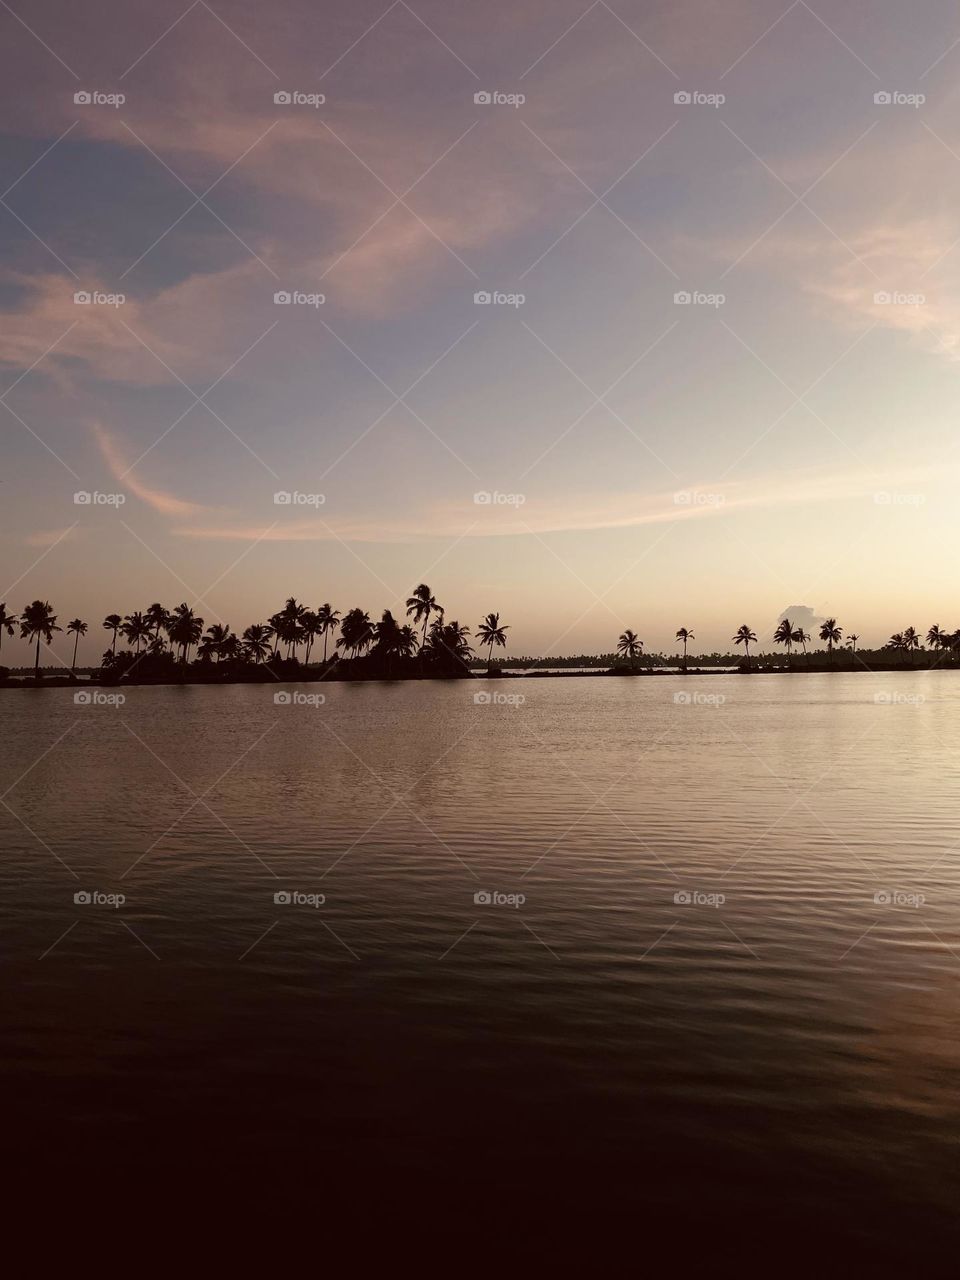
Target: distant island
{"x": 172, "y": 647}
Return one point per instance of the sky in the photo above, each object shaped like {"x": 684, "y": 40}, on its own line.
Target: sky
{"x": 715, "y": 377}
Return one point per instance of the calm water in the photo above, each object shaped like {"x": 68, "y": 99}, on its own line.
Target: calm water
{"x": 782, "y": 1048}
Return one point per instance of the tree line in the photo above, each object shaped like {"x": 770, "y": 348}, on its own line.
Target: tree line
{"x": 159, "y": 636}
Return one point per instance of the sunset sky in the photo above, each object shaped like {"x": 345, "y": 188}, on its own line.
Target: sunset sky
{"x": 655, "y": 464}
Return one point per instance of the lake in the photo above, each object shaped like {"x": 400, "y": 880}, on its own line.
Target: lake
{"x": 668, "y": 953}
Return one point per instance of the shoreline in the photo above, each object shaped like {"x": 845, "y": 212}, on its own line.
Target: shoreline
{"x": 316, "y": 676}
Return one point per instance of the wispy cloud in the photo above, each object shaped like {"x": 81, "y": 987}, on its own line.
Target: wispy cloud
{"x": 166, "y": 503}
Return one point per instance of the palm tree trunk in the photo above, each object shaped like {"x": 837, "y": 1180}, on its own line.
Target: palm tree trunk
{"x": 36, "y": 668}
{"x": 75, "y": 643}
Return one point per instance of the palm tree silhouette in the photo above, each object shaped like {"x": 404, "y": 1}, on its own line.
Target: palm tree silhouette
{"x": 6, "y": 622}
{"x": 784, "y": 635}
{"x": 801, "y": 638}
{"x": 491, "y": 632}
{"x": 184, "y": 629}
{"x": 830, "y": 632}
{"x": 911, "y": 641}
{"x": 38, "y": 621}
{"x": 78, "y": 629}
{"x": 157, "y": 617}
{"x": 684, "y": 635}
{"x": 217, "y": 640}
{"x": 746, "y": 637}
{"x": 420, "y": 606}
{"x": 327, "y": 619}
{"x": 135, "y": 629}
{"x": 113, "y": 622}
{"x": 630, "y": 646}
{"x": 852, "y": 639}
{"x": 447, "y": 644}
{"x": 256, "y": 641}
{"x": 310, "y": 626}
{"x": 937, "y": 638}
{"x": 356, "y": 631}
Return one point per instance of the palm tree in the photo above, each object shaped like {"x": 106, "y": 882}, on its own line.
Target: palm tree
{"x": 38, "y": 621}
{"x": 746, "y": 637}
{"x": 310, "y": 626}
{"x": 421, "y": 605}
{"x": 217, "y": 640}
{"x": 184, "y": 629}
{"x": 407, "y": 642}
{"x": 356, "y": 631}
{"x": 491, "y": 633}
{"x": 327, "y": 619}
{"x": 630, "y": 645}
{"x": 684, "y": 635}
{"x": 447, "y": 644}
{"x": 135, "y": 628}
{"x": 830, "y": 632}
{"x": 852, "y": 640}
{"x": 6, "y": 621}
{"x": 911, "y": 641}
{"x": 784, "y": 635}
{"x": 802, "y": 638}
{"x": 113, "y": 622}
{"x": 256, "y": 641}
{"x": 157, "y": 617}
{"x": 937, "y": 638}
{"x": 78, "y": 629}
